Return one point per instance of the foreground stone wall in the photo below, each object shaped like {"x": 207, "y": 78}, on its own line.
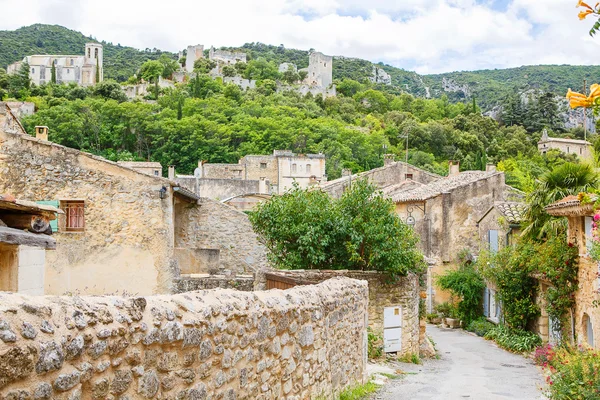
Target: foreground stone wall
{"x": 383, "y": 292}
{"x": 302, "y": 343}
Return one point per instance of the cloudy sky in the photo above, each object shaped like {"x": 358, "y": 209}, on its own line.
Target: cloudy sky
{"x": 428, "y": 36}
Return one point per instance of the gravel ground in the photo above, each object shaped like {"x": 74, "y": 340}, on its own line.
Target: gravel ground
{"x": 469, "y": 367}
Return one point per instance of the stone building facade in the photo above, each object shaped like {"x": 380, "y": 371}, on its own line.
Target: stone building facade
{"x": 123, "y": 230}
{"x": 193, "y": 53}
{"x": 148, "y": 168}
{"x": 304, "y": 343}
{"x": 444, "y": 214}
{"x": 256, "y": 174}
{"x": 587, "y": 314}
{"x": 581, "y": 148}
{"x": 81, "y": 70}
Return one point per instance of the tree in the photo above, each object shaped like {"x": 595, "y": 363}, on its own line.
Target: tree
{"x": 567, "y": 179}
{"x": 204, "y": 65}
{"x": 110, "y": 89}
{"x": 307, "y": 229}
{"x": 151, "y": 71}
{"x": 53, "y": 73}
{"x": 290, "y": 75}
{"x": 169, "y": 66}
{"x": 229, "y": 71}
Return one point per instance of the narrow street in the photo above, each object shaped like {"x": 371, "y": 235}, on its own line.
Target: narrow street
{"x": 469, "y": 367}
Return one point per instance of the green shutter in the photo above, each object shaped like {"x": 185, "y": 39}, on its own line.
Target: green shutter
{"x": 54, "y": 203}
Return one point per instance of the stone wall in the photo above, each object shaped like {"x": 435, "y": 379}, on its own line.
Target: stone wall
{"x": 303, "y": 343}
{"x": 214, "y": 225}
{"x": 221, "y": 189}
{"x": 195, "y": 282}
{"x": 383, "y": 292}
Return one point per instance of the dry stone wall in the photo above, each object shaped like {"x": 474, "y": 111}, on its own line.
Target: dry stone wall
{"x": 302, "y": 343}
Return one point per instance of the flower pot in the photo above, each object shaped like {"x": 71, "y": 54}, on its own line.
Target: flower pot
{"x": 452, "y": 322}
{"x": 436, "y": 320}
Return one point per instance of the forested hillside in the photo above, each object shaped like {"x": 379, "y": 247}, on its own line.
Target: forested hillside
{"x": 490, "y": 87}
{"x": 120, "y": 62}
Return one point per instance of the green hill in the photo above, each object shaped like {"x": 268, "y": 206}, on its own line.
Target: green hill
{"x": 120, "y": 62}
{"x": 490, "y": 87}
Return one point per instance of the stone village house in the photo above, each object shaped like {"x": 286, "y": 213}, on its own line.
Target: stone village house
{"x": 122, "y": 230}
{"x": 586, "y": 319}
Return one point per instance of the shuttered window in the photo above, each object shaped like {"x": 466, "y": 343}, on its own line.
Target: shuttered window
{"x": 493, "y": 238}
{"x": 53, "y": 203}
{"x": 74, "y": 215}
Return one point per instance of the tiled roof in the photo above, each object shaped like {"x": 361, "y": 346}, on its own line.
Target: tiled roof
{"x": 438, "y": 187}
{"x": 139, "y": 164}
{"x": 512, "y": 211}
{"x": 568, "y": 201}
{"x": 564, "y": 140}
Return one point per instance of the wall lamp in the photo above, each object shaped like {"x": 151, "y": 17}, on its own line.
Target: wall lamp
{"x": 163, "y": 192}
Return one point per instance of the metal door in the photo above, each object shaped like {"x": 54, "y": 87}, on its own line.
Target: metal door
{"x": 392, "y": 329}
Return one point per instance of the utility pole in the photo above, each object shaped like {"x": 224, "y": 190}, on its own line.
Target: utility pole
{"x": 584, "y": 112}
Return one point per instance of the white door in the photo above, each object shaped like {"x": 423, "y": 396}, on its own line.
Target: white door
{"x": 392, "y": 329}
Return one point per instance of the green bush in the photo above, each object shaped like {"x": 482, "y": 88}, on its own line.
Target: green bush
{"x": 447, "y": 310}
{"x": 480, "y": 326}
{"x": 515, "y": 340}
{"x": 467, "y": 285}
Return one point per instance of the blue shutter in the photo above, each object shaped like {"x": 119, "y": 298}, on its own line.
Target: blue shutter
{"x": 486, "y": 302}
{"x": 493, "y": 238}
{"x": 54, "y": 203}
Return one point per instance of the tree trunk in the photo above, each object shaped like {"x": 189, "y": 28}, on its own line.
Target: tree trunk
{"x": 31, "y": 222}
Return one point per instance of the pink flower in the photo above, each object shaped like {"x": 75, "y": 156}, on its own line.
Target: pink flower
{"x": 596, "y": 217}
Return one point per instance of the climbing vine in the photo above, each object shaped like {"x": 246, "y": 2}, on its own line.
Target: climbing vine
{"x": 556, "y": 260}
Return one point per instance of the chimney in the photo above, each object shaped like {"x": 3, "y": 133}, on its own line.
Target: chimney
{"x": 171, "y": 172}
{"x": 346, "y": 172}
{"x": 489, "y": 167}
{"x": 388, "y": 159}
{"x": 454, "y": 168}
{"x": 41, "y": 132}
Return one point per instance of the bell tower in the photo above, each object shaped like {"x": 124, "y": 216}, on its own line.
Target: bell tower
{"x": 94, "y": 55}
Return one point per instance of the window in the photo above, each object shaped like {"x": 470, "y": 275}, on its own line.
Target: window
{"x": 567, "y": 149}
{"x": 308, "y": 168}
{"x": 72, "y": 61}
{"x": 156, "y": 172}
{"x": 89, "y": 53}
{"x": 294, "y": 168}
{"x": 95, "y": 53}
{"x": 493, "y": 239}
{"x": 263, "y": 165}
{"x": 74, "y": 215}
{"x": 33, "y": 70}
{"x": 588, "y": 329}
{"x": 588, "y": 233}
{"x": 580, "y": 150}
{"x": 408, "y": 176}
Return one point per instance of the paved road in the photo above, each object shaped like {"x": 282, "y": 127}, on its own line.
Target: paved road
{"x": 469, "y": 368}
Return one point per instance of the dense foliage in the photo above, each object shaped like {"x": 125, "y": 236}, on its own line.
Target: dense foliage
{"x": 307, "y": 229}
{"x": 120, "y": 62}
{"x": 516, "y": 340}
{"x": 466, "y": 286}
{"x": 480, "y": 326}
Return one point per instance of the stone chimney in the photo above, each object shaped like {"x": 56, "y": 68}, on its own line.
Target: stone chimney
{"x": 388, "y": 159}
{"x": 171, "y": 172}
{"x": 346, "y": 172}
{"x": 41, "y": 132}
{"x": 454, "y": 168}
{"x": 489, "y": 167}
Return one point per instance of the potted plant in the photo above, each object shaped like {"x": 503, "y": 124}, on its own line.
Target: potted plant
{"x": 434, "y": 318}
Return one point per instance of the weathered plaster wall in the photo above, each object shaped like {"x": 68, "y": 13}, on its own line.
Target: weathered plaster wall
{"x": 383, "y": 292}
{"x": 127, "y": 242}
{"x": 214, "y": 225}
{"x": 220, "y": 189}
{"x": 384, "y": 176}
{"x": 302, "y": 343}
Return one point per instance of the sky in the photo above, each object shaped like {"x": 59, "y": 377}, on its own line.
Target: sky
{"x": 426, "y": 36}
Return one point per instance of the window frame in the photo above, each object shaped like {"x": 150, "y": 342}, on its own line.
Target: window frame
{"x": 68, "y": 205}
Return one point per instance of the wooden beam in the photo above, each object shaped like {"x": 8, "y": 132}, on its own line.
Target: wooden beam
{"x": 22, "y": 238}
{"x": 31, "y": 222}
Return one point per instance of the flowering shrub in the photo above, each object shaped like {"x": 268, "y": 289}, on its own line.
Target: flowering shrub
{"x": 543, "y": 355}
{"x": 573, "y": 373}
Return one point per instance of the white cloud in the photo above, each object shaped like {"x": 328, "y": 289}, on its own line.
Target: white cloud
{"x": 427, "y": 35}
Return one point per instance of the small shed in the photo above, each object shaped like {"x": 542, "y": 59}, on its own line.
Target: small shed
{"x": 24, "y": 238}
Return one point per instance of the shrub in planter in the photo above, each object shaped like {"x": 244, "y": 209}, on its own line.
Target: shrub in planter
{"x": 480, "y": 326}
{"x": 434, "y": 318}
